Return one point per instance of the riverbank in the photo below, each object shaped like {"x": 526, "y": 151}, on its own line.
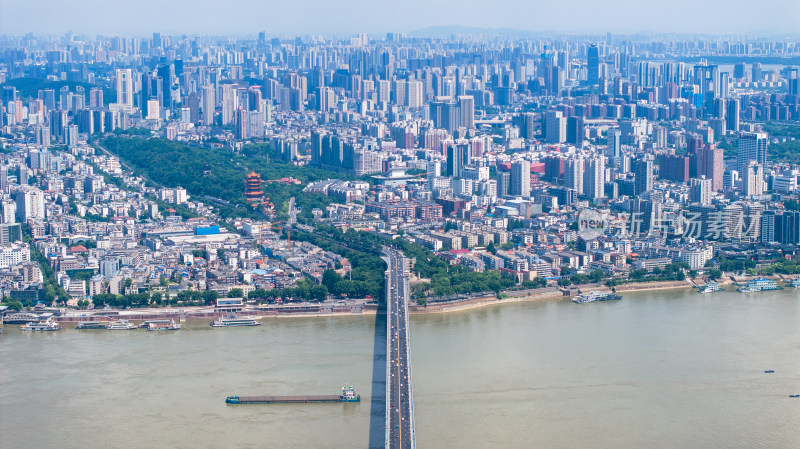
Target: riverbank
{"x": 361, "y": 308}
{"x": 484, "y": 301}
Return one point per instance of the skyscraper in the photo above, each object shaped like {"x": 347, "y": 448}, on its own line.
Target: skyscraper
{"x": 576, "y": 131}
{"x": 593, "y": 65}
{"x": 643, "y": 172}
{"x": 455, "y": 161}
{"x": 752, "y": 147}
{"x": 732, "y": 115}
{"x": 573, "y": 174}
{"x": 466, "y": 106}
{"x": 208, "y": 105}
{"x": 520, "y": 178}
{"x": 555, "y": 127}
{"x": 709, "y": 162}
{"x": 594, "y": 178}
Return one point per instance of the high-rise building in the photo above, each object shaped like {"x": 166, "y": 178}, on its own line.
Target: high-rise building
{"x": 752, "y": 147}
{"x": 414, "y": 94}
{"x": 466, "y": 106}
{"x": 71, "y": 135}
{"x": 3, "y": 177}
{"x": 753, "y": 179}
{"x": 30, "y": 204}
{"x": 503, "y": 183}
{"x": 95, "y": 98}
{"x": 520, "y": 178}
{"x": 576, "y": 131}
{"x": 573, "y": 174}
{"x": 787, "y": 228}
{"x": 674, "y": 168}
{"x": 643, "y": 175}
{"x": 732, "y": 115}
{"x": 700, "y": 191}
{"x": 593, "y": 65}
{"x": 166, "y": 75}
{"x": 709, "y": 162}
{"x": 614, "y": 143}
{"x": 208, "y": 105}
{"x": 240, "y": 124}
{"x": 555, "y": 127}
{"x": 526, "y": 122}
{"x": 228, "y": 103}
{"x": 594, "y": 178}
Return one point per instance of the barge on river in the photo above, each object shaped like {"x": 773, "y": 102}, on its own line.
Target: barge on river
{"x": 348, "y": 395}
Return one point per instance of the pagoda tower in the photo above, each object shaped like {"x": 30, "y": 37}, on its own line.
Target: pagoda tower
{"x": 252, "y": 188}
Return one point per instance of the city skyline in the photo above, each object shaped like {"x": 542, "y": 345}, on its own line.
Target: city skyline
{"x": 774, "y": 17}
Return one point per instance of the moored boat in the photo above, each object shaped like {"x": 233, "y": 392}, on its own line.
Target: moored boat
{"x": 595, "y": 296}
{"x": 163, "y": 325}
{"x": 759, "y": 285}
{"x": 120, "y": 325}
{"x": 710, "y": 287}
{"x": 86, "y": 325}
{"x": 232, "y": 320}
{"x": 41, "y": 326}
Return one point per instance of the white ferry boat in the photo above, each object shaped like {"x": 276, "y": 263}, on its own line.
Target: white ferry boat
{"x": 84, "y": 325}
{"x": 120, "y": 325}
{"x": 595, "y": 296}
{"x": 163, "y": 325}
{"x": 795, "y": 282}
{"x": 759, "y": 285}
{"x": 44, "y": 326}
{"x": 232, "y": 320}
{"x": 710, "y": 287}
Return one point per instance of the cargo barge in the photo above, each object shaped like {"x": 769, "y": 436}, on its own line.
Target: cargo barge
{"x": 348, "y": 395}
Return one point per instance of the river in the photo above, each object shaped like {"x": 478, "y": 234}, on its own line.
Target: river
{"x": 659, "y": 369}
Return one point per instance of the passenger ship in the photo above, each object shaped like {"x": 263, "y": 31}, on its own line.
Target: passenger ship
{"x": 44, "y": 326}
{"x": 710, "y": 287}
{"x": 163, "y": 325}
{"x": 595, "y": 296}
{"x": 759, "y": 285}
{"x": 795, "y": 282}
{"x": 120, "y": 325}
{"x": 84, "y": 325}
{"x": 232, "y": 320}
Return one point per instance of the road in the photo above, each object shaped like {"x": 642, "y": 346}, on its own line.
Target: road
{"x": 399, "y": 392}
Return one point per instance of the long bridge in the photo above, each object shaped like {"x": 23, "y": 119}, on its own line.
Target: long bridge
{"x": 399, "y": 392}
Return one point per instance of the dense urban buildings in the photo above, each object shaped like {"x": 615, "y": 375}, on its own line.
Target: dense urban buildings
{"x": 484, "y": 152}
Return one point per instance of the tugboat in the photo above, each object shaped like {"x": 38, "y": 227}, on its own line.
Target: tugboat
{"x": 349, "y": 395}
{"x": 710, "y": 287}
{"x": 595, "y": 296}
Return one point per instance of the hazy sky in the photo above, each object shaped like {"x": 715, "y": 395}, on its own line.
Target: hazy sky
{"x": 297, "y": 17}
